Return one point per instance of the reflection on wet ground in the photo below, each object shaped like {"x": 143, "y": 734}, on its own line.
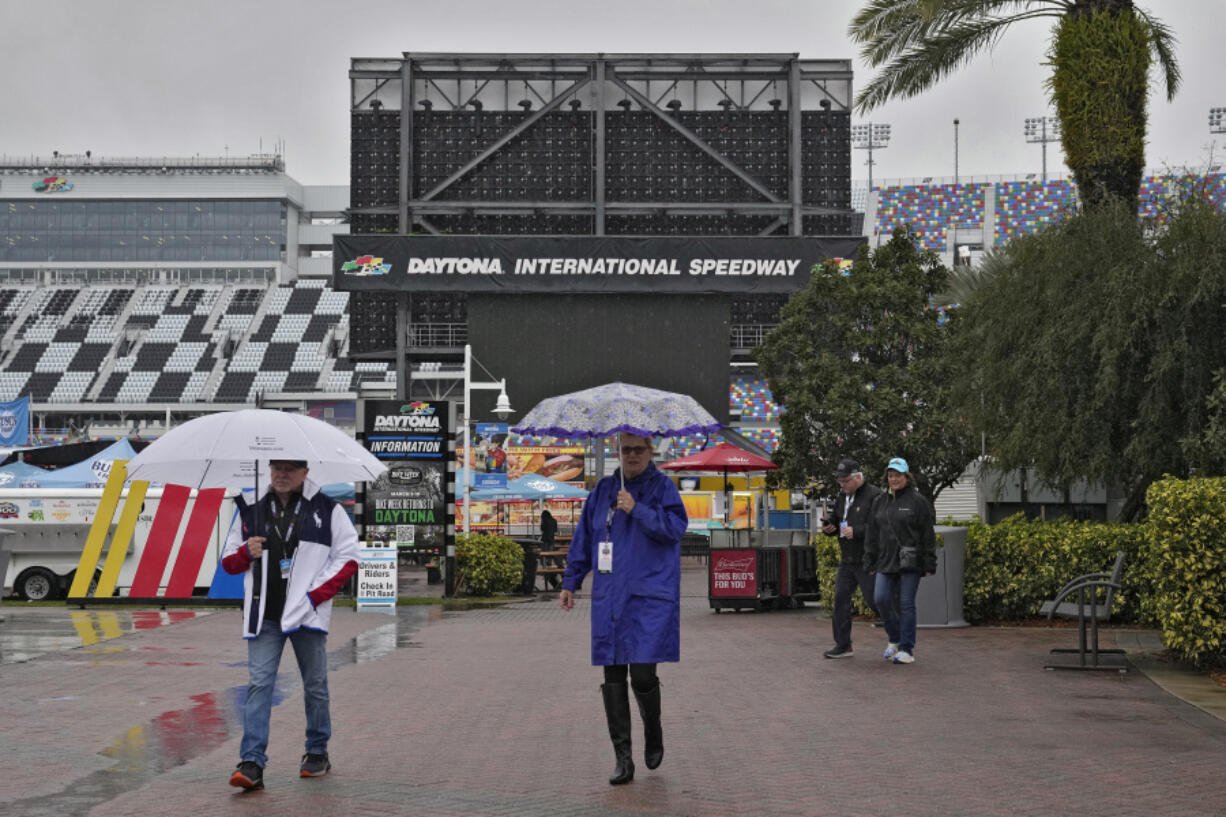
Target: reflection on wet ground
{"x": 174, "y": 737}
{"x": 27, "y": 634}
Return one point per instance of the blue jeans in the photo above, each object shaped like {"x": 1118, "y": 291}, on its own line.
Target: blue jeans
{"x": 899, "y": 624}
{"x": 263, "y": 658}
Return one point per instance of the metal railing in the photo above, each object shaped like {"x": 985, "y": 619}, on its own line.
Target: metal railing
{"x": 749, "y": 335}
{"x": 438, "y": 334}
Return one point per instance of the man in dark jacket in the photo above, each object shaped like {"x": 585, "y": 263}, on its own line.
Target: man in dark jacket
{"x": 849, "y": 521}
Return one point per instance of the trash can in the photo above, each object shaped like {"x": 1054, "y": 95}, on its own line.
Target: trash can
{"x": 938, "y": 604}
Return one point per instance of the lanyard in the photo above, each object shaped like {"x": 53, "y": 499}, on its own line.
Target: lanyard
{"x": 287, "y": 535}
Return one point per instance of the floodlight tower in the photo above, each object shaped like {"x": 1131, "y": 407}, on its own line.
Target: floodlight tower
{"x": 870, "y": 137}
{"x": 1217, "y": 120}
{"x": 1042, "y": 129}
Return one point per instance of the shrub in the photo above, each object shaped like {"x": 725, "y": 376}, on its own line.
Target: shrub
{"x": 828, "y": 556}
{"x": 1188, "y": 556}
{"x": 491, "y": 564}
{"x": 1012, "y": 567}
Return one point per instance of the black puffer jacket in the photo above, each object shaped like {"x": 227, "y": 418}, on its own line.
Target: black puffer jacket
{"x": 897, "y": 519}
{"x": 852, "y": 550}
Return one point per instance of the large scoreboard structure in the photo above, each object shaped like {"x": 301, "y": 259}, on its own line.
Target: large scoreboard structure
{"x": 642, "y": 210}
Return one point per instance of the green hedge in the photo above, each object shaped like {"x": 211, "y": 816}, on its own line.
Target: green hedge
{"x": 827, "y": 567}
{"x": 1012, "y": 567}
{"x": 1174, "y": 567}
{"x": 491, "y": 564}
{"x": 1187, "y": 549}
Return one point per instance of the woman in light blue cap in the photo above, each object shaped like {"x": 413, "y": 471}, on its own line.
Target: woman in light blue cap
{"x": 900, "y": 548}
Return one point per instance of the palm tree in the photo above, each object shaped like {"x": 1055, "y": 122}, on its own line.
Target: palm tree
{"x": 1100, "y": 55}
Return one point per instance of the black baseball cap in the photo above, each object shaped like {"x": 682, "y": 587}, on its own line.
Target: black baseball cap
{"x": 847, "y": 468}
{"x": 294, "y": 463}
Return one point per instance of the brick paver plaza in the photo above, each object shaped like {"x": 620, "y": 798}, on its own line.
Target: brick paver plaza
{"x": 498, "y": 712}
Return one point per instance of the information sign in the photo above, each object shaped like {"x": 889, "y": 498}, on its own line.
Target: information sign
{"x": 377, "y": 577}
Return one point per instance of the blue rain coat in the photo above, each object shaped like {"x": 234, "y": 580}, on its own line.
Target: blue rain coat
{"x": 636, "y": 609}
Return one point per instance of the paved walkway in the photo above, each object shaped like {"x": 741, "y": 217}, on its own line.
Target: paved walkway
{"x": 497, "y": 712}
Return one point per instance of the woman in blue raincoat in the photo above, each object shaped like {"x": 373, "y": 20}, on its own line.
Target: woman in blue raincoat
{"x": 629, "y": 536}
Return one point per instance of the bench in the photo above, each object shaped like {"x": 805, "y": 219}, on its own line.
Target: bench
{"x": 1094, "y": 593}
{"x": 551, "y": 564}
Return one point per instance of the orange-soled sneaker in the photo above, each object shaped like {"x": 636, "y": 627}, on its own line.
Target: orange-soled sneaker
{"x": 249, "y": 775}
{"x": 314, "y": 765}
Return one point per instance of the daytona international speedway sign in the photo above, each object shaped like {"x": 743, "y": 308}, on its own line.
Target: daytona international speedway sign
{"x": 581, "y": 263}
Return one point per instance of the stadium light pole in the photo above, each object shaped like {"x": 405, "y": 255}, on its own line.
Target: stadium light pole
{"x": 1217, "y": 120}
{"x": 956, "y": 153}
{"x": 1044, "y": 129}
{"x": 955, "y": 214}
{"x": 870, "y": 137}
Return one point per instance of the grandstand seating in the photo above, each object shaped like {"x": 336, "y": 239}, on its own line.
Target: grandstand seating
{"x": 933, "y": 210}
{"x": 750, "y": 399}
{"x": 1020, "y": 207}
{"x": 1029, "y": 207}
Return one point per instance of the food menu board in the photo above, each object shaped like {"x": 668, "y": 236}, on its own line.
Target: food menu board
{"x": 561, "y": 462}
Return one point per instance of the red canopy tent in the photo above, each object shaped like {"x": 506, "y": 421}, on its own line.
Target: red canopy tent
{"x": 723, "y": 457}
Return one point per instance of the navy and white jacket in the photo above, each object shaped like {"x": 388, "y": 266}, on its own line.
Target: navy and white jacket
{"x": 325, "y": 559}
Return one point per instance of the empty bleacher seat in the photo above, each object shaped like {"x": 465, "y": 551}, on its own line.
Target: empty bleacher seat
{"x": 12, "y": 384}
{"x": 932, "y": 210}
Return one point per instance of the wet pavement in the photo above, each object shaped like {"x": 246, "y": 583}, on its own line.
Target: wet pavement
{"x": 497, "y": 712}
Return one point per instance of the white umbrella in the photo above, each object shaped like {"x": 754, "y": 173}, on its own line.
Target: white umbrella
{"x": 223, "y": 450}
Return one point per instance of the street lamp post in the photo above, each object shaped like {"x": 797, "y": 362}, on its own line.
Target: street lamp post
{"x": 870, "y": 137}
{"x": 1044, "y": 129}
{"x": 502, "y": 410}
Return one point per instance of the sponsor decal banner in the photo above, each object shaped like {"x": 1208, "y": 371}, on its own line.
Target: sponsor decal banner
{"x": 490, "y": 455}
{"x": 734, "y": 574}
{"x": 407, "y": 504}
{"x": 52, "y": 184}
{"x": 15, "y": 422}
{"x": 576, "y": 264}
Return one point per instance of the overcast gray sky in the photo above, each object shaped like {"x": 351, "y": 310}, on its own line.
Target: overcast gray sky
{"x": 176, "y": 78}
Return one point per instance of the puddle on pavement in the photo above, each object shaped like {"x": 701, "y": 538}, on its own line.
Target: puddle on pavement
{"x": 27, "y": 634}
{"x": 176, "y": 737}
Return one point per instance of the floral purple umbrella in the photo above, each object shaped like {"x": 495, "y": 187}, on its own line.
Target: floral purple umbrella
{"x": 615, "y": 408}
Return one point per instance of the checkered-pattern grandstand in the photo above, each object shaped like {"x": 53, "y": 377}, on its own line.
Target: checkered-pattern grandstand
{"x": 166, "y": 344}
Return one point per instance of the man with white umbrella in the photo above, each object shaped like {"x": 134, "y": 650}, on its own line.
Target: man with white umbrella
{"x": 301, "y": 554}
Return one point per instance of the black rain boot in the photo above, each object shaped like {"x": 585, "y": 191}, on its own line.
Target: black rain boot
{"x": 617, "y": 712}
{"x": 653, "y": 733}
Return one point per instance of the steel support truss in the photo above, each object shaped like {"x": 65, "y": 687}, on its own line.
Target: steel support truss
{"x": 704, "y": 81}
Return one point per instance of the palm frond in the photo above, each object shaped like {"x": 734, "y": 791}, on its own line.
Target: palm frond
{"x": 886, "y": 29}
{"x": 1162, "y": 41}
{"x": 924, "y": 64}
{"x": 966, "y": 280}
{"x": 932, "y": 38}
{"x": 878, "y": 18}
